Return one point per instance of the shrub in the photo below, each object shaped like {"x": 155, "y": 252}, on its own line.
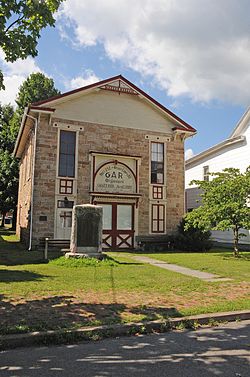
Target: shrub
{"x": 192, "y": 239}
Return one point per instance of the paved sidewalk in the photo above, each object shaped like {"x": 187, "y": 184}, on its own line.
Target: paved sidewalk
{"x": 209, "y": 352}
{"x": 182, "y": 270}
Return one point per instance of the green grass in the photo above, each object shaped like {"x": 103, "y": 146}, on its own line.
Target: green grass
{"x": 68, "y": 293}
{"x": 217, "y": 261}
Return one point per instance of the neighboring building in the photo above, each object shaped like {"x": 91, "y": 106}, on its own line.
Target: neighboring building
{"x": 108, "y": 143}
{"x": 233, "y": 152}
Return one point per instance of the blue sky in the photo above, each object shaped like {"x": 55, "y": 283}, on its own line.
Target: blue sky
{"x": 193, "y": 59}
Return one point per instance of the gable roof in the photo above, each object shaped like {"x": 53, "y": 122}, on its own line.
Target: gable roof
{"x": 181, "y": 124}
{"x": 242, "y": 124}
{"x": 235, "y": 137}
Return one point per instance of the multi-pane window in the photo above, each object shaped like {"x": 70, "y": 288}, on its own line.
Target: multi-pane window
{"x": 158, "y": 218}
{"x": 67, "y": 154}
{"x": 66, "y": 186}
{"x": 206, "y": 173}
{"x": 157, "y": 163}
{"x": 157, "y": 192}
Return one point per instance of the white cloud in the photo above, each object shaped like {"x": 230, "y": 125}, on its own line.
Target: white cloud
{"x": 193, "y": 48}
{"x": 88, "y": 77}
{"x": 189, "y": 153}
{"x": 14, "y": 74}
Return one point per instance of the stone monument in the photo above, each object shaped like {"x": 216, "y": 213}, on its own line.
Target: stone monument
{"x": 86, "y": 233}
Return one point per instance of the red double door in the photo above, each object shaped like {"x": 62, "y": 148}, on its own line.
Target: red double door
{"x": 118, "y": 225}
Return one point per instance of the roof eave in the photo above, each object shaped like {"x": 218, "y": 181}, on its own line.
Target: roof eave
{"x": 20, "y": 132}
{"x": 27, "y": 110}
{"x": 244, "y": 119}
{"x": 215, "y": 148}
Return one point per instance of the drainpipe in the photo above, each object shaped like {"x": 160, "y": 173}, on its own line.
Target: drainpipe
{"x": 32, "y": 181}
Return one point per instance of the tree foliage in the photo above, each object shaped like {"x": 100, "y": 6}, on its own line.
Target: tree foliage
{"x": 20, "y": 25}
{"x": 191, "y": 239}
{"x": 8, "y": 164}
{"x": 7, "y": 138}
{"x": 225, "y": 203}
{"x": 8, "y": 183}
{"x": 35, "y": 88}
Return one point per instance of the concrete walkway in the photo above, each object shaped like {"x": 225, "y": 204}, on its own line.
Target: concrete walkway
{"x": 182, "y": 270}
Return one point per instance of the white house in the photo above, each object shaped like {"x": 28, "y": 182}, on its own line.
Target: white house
{"x": 233, "y": 152}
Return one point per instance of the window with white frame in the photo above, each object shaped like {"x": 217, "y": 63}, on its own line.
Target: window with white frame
{"x": 67, "y": 150}
{"x": 206, "y": 173}
{"x": 157, "y": 163}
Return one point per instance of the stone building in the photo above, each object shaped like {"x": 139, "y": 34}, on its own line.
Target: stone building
{"x": 107, "y": 143}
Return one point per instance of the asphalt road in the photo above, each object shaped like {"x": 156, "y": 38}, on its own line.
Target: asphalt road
{"x": 221, "y": 351}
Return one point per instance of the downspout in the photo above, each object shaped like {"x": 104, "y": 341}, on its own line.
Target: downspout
{"x": 32, "y": 181}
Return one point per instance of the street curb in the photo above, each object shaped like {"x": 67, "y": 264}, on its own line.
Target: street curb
{"x": 108, "y": 331}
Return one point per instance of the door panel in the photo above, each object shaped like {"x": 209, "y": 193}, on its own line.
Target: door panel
{"x": 64, "y": 224}
{"x": 107, "y": 216}
{"x": 124, "y": 216}
{"x": 118, "y": 226}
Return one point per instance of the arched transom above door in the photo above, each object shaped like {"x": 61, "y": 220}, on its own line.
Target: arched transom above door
{"x": 117, "y": 175}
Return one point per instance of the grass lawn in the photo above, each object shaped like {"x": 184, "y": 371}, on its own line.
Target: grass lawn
{"x": 220, "y": 262}
{"x": 36, "y": 296}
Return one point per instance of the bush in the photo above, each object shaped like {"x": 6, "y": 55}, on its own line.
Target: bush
{"x": 192, "y": 239}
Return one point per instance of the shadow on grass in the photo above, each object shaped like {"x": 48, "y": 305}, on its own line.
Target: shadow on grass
{"x": 18, "y": 257}
{"x": 13, "y": 252}
{"x": 129, "y": 263}
{"x": 241, "y": 257}
{"x": 10, "y": 276}
{"x": 66, "y": 312}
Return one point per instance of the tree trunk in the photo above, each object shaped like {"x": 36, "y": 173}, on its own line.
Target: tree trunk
{"x": 236, "y": 242}
{"x": 14, "y": 218}
{"x": 3, "y": 219}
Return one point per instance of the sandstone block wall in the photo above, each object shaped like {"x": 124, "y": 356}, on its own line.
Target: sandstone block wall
{"x": 24, "y": 191}
{"x": 98, "y": 138}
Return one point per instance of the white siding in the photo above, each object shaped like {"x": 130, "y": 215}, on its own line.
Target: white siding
{"x": 227, "y": 236}
{"x": 234, "y": 156}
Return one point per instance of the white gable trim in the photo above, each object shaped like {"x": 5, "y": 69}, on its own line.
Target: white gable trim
{"x": 242, "y": 124}
{"x": 207, "y": 153}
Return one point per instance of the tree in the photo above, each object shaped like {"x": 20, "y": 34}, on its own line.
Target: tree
{"x": 225, "y": 204}
{"x": 8, "y": 165}
{"x": 20, "y": 25}
{"x": 35, "y": 88}
{"x": 8, "y": 184}
{"x": 7, "y": 138}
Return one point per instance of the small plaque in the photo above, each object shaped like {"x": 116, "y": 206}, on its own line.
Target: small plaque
{"x": 42, "y": 218}
{"x": 88, "y": 230}
{"x": 86, "y": 233}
